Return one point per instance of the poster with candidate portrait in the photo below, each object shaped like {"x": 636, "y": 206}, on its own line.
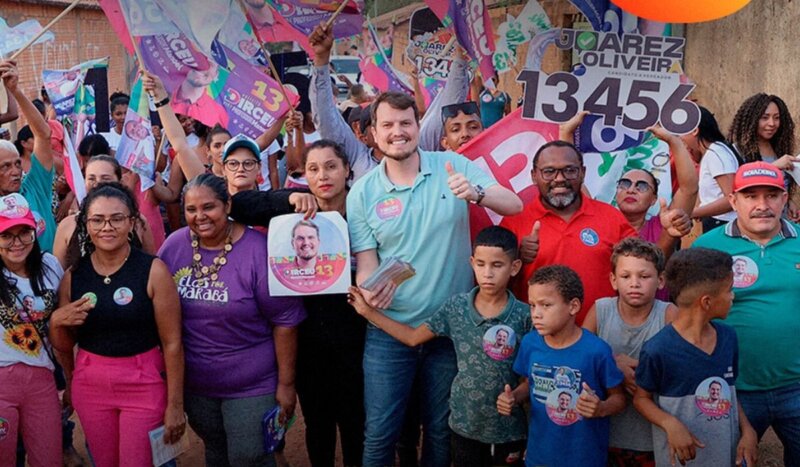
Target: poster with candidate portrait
{"x": 308, "y": 256}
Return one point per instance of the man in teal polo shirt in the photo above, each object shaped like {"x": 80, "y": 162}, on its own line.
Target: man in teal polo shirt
{"x": 37, "y": 185}
{"x": 766, "y": 305}
{"x": 413, "y": 206}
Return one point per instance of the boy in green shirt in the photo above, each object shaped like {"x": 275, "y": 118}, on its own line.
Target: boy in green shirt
{"x": 486, "y": 326}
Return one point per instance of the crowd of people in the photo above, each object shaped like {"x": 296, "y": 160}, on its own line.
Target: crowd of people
{"x": 576, "y": 332}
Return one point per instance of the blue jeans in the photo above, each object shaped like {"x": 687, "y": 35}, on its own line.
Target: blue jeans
{"x": 389, "y": 371}
{"x": 779, "y": 408}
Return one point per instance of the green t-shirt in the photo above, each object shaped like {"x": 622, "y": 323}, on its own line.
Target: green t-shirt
{"x": 766, "y": 304}
{"x": 485, "y": 352}
{"x": 37, "y": 188}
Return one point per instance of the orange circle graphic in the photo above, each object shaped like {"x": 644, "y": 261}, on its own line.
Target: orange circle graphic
{"x": 681, "y": 11}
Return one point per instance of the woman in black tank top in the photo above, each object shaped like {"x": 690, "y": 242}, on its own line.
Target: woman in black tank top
{"x": 121, "y": 307}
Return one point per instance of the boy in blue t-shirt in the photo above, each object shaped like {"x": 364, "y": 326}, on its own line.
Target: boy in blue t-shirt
{"x": 572, "y": 379}
{"x": 485, "y": 325}
{"x": 686, "y": 372}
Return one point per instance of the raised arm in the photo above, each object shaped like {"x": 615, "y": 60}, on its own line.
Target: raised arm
{"x": 191, "y": 162}
{"x": 12, "y": 113}
{"x": 39, "y": 127}
{"x": 329, "y": 122}
{"x": 686, "y": 195}
{"x": 454, "y": 91}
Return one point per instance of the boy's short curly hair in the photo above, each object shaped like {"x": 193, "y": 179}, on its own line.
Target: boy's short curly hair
{"x": 565, "y": 280}
{"x": 697, "y": 271}
{"x": 638, "y": 248}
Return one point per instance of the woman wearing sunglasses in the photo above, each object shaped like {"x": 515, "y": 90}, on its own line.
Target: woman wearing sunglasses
{"x": 637, "y": 191}
{"x": 28, "y": 397}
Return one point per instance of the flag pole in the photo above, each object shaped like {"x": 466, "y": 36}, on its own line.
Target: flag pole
{"x": 335, "y": 14}
{"x": 45, "y": 29}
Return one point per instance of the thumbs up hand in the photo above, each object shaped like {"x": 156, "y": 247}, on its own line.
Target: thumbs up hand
{"x": 529, "y": 246}
{"x": 459, "y": 184}
{"x": 674, "y": 221}
{"x": 588, "y": 403}
{"x": 506, "y": 401}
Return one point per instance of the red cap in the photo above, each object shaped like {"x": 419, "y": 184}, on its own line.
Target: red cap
{"x": 758, "y": 174}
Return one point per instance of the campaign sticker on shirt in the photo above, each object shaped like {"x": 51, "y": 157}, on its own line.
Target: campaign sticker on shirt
{"x": 713, "y": 397}
{"x": 589, "y": 237}
{"x": 123, "y": 296}
{"x": 745, "y": 272}
{"x": 91, "y": 296}
{"x": 308, "y": 256}
{"x": 560, "y": 406}
{"x": 5, "y": 427}
{"x": 499, "y": 342}
{"x": 389, "y": 208}
{"x": 486, "y": 97}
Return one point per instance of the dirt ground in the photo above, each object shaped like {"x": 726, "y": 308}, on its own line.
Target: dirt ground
{"x": 770, "y": 449}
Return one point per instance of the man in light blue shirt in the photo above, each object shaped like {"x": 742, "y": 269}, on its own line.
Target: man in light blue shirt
{"x": 413, "y": 206}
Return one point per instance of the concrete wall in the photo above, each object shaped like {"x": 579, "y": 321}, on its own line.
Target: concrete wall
{"x": 754, "y": 50}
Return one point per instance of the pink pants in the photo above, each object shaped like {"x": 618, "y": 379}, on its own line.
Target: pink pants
{"x": 119, "y": 400}
{"x": 29, "y": 404}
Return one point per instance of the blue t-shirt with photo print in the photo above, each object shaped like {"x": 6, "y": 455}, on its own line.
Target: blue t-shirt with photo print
{"x": 697, "y": 389}
{"x": 558, "y": 434}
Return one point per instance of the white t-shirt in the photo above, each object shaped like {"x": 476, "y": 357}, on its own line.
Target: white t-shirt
{"x": 21, "y": 343}
{"x": 718, "y": 160}
{"x": 113, "y": 138}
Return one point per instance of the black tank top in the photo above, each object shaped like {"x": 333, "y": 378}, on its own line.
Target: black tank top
{"x": 122, "y": 322}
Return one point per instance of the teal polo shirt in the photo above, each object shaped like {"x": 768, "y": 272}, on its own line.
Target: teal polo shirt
{"x": 766, "y": 305}
{"x": 37, "y": 189}
{"x": 423, "y": 224}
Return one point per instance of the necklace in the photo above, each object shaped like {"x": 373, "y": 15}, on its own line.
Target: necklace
{"x": 107, "y": 277}
{"x": 212, "y": 271}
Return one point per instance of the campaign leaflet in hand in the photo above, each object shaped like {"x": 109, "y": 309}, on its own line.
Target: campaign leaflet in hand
{"x": 393, "y": 269}
{"x": 308, "y": 256}
{"x": 274, "y": 430}
{"x": 163, "y": 452}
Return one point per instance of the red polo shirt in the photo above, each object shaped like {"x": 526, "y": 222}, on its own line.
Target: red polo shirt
{"x": 584, "y": 244}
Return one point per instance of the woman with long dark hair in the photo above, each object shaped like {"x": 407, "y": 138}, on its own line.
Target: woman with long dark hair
{"x": 120, "y": 306}
{"x": 718, "y": 161}
{"x": 28, "y": 295}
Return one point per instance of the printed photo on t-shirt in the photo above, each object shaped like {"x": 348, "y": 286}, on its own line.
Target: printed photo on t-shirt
{"x": 713, "y": 397}
{"x": 745, "y": 272}
{"x": 499, "y": 342}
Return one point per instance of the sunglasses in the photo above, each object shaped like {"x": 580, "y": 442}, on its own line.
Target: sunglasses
{"x": 641, "y": 186}
{"x": 467, "y": 108}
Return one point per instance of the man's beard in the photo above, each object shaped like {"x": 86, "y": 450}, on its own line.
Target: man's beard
{"x": 560, "y": 201}
{"x": 399, "y": 157}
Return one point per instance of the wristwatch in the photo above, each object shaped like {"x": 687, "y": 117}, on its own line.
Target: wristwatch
{"x": 162, "y": 102}
{"x": 481, "y": 193}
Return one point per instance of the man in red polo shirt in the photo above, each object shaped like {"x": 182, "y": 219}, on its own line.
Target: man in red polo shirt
{"x": 562, "y": 226}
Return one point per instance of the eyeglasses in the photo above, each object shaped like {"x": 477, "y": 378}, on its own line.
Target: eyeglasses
{"x": 233, "y": 164}
{"x": 467, "y": 108}
{"x": 570, "y": 173}
{"x": 117, "y": 221}
{"x": 641, "y": 186}
{"x": 26, "y": 237}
